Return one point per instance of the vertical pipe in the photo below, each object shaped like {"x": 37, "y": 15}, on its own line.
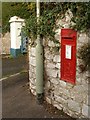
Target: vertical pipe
{"x": 39, "y": 62}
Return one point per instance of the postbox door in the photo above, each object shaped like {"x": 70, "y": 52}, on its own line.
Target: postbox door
{"x": 68, "y": 55}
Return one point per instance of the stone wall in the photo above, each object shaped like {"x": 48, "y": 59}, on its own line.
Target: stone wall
{"x": 72, "y": 99}
{"x": 6, "y": 43}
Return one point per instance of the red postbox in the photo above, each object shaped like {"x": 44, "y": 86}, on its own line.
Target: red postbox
{"x": 68, "y": 55}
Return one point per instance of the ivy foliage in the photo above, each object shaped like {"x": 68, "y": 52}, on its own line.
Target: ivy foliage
{"x": 81, "y": 15}
{"x": 50, "y": 12}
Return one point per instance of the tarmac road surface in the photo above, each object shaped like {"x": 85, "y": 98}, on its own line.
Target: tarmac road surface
{"x": 17, "y": 100}
{"x": 14, "y": 65}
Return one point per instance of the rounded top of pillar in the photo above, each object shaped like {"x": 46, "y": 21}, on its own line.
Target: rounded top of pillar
{"x": 16, "y": 19}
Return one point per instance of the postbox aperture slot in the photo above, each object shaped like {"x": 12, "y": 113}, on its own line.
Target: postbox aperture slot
{"x": 68, "y": 55}
{"x": 69, "y": 38}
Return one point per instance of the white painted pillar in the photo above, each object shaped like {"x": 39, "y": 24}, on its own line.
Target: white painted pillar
{"x": 16, "y": 24}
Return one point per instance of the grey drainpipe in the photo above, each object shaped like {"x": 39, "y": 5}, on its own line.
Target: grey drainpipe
{"x": 39, "y": 62}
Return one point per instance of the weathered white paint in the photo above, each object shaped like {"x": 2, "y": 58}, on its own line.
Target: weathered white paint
{"x": 16, "y": 24}
{"x": 13, "y": 35}
{"x": 18, "y": 35}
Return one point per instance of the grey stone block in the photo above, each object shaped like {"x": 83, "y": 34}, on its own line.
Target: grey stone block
{"x": 55, "y": 81}
{"x": 85, "y": 110}
{"x": 52, "y": 73}
{"x": 56, "y": 58}
{"x": 51, "y": 44}
{"x": 33, "y": 51}
{"x": 50, "y": 65}
{"x": 74, "y": 106}
{"x": 58, "y": 66}
{"x": 33, "y": 61}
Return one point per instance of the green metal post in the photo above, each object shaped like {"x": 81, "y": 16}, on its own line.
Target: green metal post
{"x": 39, "y": 62}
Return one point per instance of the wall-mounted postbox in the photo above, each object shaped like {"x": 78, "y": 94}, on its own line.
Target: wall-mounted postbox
{"x": 68, "y": 55}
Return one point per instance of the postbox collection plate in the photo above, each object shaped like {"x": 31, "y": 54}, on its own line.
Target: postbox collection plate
{"x": 68, "y": 55}
{"x": 68, "y": 51}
